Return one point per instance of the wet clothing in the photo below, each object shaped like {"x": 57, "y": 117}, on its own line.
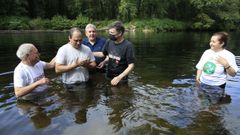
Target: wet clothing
{"x": 96, "y": 47}
{"x": 25, "y": 75}
{"x": 211, "y": 93}
{"x": 120, "y": 56}
{"x": 67, "y": 55}
{"x": 213, "y": 73}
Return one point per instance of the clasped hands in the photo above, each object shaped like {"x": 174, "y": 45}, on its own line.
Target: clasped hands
{"x": 83, "y": 63}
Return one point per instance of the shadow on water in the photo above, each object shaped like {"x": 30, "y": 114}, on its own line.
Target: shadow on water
{"x": 160, "y": 98}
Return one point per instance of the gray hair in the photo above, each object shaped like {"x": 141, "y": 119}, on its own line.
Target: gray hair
{"x": 73, "y": 30}
{"x": 23, "y": 50}
{"x": 90, "y": 26}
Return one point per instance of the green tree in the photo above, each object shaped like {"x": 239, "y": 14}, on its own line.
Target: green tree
{"x": 216, "y": 14}
{"x": 127, "y": 10}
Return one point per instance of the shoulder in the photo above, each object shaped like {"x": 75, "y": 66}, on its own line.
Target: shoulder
{"x": 63, "y": 47}
{"x": 208, "y": 52}
{"x": 85, "y": 48}
{"x": 19, "y": 67}
{"x": 128, "y": 43}
{"x": 228, "y": 52}
{"x": 101, "y": 39}
{"x": 41, "y": 63}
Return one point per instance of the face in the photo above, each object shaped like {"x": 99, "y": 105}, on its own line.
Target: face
{"x": 76, "y": 39}
{"x": 113, "y": 34}
{"x": 91, "y": 34}
{"x": 215, "y": 44}
{"x": 33, "y": 56}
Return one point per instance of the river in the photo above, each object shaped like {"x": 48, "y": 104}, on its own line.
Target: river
{"x": 160, "y": 97}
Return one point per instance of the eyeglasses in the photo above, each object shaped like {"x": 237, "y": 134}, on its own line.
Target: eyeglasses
{"x": 80, "y": 40}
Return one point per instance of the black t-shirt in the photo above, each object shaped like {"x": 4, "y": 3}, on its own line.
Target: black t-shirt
{"x": 120, "y": 56}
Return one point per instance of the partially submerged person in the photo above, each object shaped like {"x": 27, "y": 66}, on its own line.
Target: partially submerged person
{"x": 120, "y": 53}
{"x": 29, "y": 79}
{"x": 73, "y": 60}
{"x": 94, "y": 42}
{"x": 214, "y": 66}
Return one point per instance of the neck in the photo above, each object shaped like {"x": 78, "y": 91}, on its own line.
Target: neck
{"x": 92, "y": 42}
{"x": 218, "y": 50}
{"x": 120, "y": 40}
{"x": 26, "y": 62}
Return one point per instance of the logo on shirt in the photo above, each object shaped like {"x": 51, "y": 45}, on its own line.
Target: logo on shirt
{"x": 39, "y": 77}
{"x": 116, "y": 59}
{"x": 209, "y": 67}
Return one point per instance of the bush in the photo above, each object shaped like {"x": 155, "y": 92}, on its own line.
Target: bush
{"x": 39, "y": 24}
{"x": 81, "y": 21}
{"x": 60, "y": 23}
{"x": 14, "y": 23}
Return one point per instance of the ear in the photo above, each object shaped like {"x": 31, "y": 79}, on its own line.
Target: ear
{"x": 222, "y": 44}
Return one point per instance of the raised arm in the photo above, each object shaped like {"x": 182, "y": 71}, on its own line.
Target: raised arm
{"x": 50, "y": 64}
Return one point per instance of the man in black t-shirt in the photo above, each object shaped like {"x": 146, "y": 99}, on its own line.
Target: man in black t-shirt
{"x": 120, "y": 53}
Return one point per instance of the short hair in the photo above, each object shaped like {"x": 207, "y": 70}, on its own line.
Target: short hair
{"x": 118, "y": 26}
{"x": 90, "y": 26}
{"x": 73, "y": 30}
{"x": 223, "y": 37}
{"x": 23, "y": 50}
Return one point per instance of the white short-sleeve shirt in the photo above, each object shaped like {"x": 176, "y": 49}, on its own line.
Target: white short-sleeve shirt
{"x": 25, "y": 75}
{"x": 67, "y": 55}
{"x": 212, "y": 72}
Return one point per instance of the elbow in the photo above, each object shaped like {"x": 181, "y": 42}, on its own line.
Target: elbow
{"x": 17, "y": 93}
{"x": 57, "y": 70}
{"x": 233, "y": 74}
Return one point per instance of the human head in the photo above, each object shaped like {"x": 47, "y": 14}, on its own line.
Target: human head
{"x": 222, "y": 38}
{"x": 23, "y": 50}
{"x": 116, "y": 31}
{"x": 75, "y": 37}
{"x": 91, "y": 32}
{"x": 28, "y": 52}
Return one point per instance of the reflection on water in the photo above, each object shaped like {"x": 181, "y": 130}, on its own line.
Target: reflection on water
{"x": 160, "y": 97}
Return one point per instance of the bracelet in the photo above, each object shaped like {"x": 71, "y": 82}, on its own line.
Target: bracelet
{"x": 228, "y": 67}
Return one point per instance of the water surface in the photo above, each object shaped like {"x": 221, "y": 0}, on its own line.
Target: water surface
{"x": 160, "y": 98}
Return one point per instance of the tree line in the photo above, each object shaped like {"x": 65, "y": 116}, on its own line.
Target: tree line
{"x": 179, "y": 14}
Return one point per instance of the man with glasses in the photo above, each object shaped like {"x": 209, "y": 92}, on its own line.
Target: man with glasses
{"x": 120, "y": 53}
{"x": 73, "y": 60}
{"x": 30, "y": 82}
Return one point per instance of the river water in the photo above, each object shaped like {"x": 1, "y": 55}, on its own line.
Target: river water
{"x": 160, "y": 97}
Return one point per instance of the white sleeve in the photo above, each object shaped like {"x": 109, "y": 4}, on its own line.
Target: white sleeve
{"x": 43, "y": 64}
{"x": 233, "y": 63}
{"x": 60, "y": 57}
{"x": 201, "y": 62}
{"x": 19, "y": 78}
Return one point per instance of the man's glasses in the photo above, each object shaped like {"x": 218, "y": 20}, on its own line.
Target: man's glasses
{"x": 80, "y": 40}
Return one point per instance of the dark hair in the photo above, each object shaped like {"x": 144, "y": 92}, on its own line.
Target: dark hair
{"x": 118, "y": 26}
{"x": 223, "y": 37}
{"x": 73, "y": 30}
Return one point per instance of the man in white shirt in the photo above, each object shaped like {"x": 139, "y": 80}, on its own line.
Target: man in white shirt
{"x": 29, "y": 78}
{"x": 73, "y": 59}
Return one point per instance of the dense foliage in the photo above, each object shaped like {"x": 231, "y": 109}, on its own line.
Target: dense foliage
{"x": 154, "y": 14}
